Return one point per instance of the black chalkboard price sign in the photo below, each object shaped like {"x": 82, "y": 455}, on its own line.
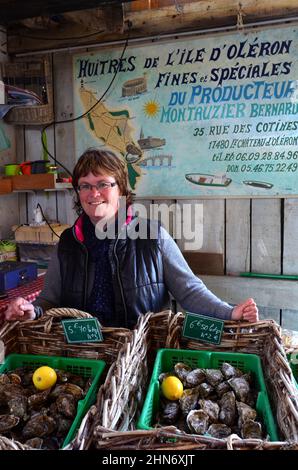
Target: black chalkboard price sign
{"x": 84, "y": 330}
{"x": 202, "y": 328}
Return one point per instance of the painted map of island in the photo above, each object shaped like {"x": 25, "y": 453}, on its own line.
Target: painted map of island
{"x": 113, "y": 128}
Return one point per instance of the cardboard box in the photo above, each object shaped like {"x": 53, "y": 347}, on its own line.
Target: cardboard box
{"x": 38, "y": 234}
{"x": 47, "y": 236}
{"x": 205, "y": 263}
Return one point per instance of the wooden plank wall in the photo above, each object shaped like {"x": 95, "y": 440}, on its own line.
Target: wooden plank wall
{"x": 7, "y": 155}
{"x": 259, "y": 235}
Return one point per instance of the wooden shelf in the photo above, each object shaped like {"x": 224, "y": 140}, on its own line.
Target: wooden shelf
{"x": 41, "y": 181}
{"x": 5, "y": 185}
{"x": 38, "y": 181}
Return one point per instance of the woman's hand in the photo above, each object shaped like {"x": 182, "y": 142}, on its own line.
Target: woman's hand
{"x": 246, "y": 311}
{"x": 19, "y": 309}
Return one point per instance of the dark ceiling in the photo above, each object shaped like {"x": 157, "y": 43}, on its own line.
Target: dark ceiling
{"x": 15, "y": 10}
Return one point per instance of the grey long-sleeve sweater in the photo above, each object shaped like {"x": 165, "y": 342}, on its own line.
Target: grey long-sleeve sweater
{"x": 185, "y": 287}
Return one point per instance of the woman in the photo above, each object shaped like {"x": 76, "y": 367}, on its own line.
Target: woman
{"x": 118, "y": 274}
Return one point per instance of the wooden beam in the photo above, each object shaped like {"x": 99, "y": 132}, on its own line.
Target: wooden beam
{"x": 205, "y": 14}
{"x": 266, "y": 292}
{"x": 14, "y": 10}
{"x": 87, "y": 27}
{"x": 115, "y": 21}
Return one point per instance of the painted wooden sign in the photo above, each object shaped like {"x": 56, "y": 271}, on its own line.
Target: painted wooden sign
{"x": 202, "y": 328}
{"x": 207, "y": 116}
{"x": 84, "y": 330}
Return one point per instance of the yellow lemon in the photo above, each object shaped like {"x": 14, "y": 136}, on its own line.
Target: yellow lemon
{"x": 172, "y": 388}
{"x": 44, "y": 377}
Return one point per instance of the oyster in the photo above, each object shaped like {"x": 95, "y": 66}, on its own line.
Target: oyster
{"x": 64, "y": 425}
{"x": 189, "y": 400}
{"x": 39, "y": 426}
{"x": 251, "y": 429}
{"x": 195, "y": 377}
{"x": 213, "y": 376}
{"x": 35, "y": 442}
{"x": 38, "y": 399}
{"x": 198, "y": 421}
{"x": 2, "y": 395}
{"x": 88, "y": 384}
{"x": 12, "y": 391}
{"x": 68, "y": 388}
{"x": 7, "y": 422}
{"x": 181, "y": 370}
{"x": 219, "y": 430}
{"x": 211, "y": 408}
{"x": 52, "y": 443}
{"x": 170, "y": 412}
{"x": 227, "y": 412}
{"x": 240, "y": 387}
{"x": 14, "y": 378}
{"x": 230, "y": 371}
{"x": 66, "y": 405}
{"x": 222, "y": 388}
{"x": 63, "y": 376}
{"x": 245, "y": 412}
{"x": 252, "y": 397}
{"x": 205, "y": 390}
{"x": 163, "y": 376}
{"x": 18, "y": 406}
{"x": 4, "y": 379}
{"x": 248, "y": 377}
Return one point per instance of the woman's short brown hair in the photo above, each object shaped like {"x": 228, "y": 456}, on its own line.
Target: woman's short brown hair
{"x": 99, "y": 161}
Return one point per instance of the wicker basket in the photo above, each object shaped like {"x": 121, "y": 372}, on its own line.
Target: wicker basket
{"x": 46, "y": 337}
{"x": 262, "y": 338}
{"x": 32, "y": 75}
{"x": 120, "y": 398}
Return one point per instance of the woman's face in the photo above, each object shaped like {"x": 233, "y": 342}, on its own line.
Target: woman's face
{"x": 98, "y": 203}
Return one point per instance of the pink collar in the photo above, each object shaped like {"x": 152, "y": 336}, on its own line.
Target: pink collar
{"x": 78, "y": 226}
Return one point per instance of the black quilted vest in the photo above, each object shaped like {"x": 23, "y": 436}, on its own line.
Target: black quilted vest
{"x": 137, "y": 272}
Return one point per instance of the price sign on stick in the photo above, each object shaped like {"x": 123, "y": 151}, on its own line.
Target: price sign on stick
{"x": 84, "y": 330}
{"x": 202, "y": 328}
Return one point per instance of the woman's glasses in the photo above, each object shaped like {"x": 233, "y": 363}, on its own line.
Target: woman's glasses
{"x": 100, "y": 186}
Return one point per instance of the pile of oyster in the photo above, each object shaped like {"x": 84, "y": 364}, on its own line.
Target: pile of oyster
{"x": 219, "y": 402}
{"x": 40, "y": 419}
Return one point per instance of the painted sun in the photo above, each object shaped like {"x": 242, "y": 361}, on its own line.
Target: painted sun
{"x": 151, "y": 109}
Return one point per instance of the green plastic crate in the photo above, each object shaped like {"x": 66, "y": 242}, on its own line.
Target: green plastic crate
{"x": 167, "y": 358}
{"x": 83, "y": 367}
